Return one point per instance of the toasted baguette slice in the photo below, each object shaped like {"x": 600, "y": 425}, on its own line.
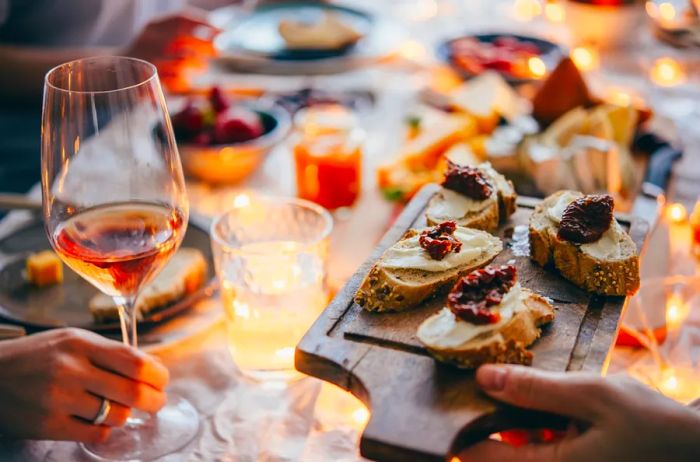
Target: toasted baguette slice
{"x": 185, "y": 273}
{"x": 508, "y": 344}
{"x": 615, "y": 276}
{"x": 486, "y": 215}
{"x": 396, "y": 289}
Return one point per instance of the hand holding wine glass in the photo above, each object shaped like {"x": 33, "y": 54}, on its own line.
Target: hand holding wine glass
{"x": 116, "y": 210}
{"x": 53, "y": 380}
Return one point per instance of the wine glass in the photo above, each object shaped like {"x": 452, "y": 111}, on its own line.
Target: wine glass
{"x": 116, "y": 209}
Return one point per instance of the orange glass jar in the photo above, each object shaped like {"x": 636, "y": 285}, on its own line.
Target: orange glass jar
{"x": 328, "y": 155}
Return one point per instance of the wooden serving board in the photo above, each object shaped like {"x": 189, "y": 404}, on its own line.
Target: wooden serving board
{"x": 425, "y": 411}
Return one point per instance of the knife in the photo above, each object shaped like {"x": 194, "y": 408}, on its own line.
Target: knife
{"x": 13, "y": 201}
{"x": 652, "y": 194}
{"x": 645, "y": 319}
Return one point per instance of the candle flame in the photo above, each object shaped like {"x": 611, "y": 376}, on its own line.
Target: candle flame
{"x": 670, "y": 385}
{"x": 676, "y": 213}
{"x": 360, "y": 416}
{"x": 537, "y": 66}
{"x": 585, "y": 58}
{"x": 241, "y": 200}
{"x": 667, "y": 72}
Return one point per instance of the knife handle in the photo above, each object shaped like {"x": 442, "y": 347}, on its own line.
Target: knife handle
{"x": 661, "y": 158}
{"x": 12, "y": 201}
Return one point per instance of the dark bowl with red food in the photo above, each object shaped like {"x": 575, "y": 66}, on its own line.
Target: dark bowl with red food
{"x": 518, "y": 58}
{"x": 222, "y": 140}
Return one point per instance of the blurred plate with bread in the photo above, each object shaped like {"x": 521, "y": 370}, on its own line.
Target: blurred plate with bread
{"x": 300, "y": 37}
{"x": 39, "y": 292}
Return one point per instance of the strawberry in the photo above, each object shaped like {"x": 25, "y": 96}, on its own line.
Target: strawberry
{"x": 188, "y": 122}
{"x": 237, "y": 125}
{"x": 218, "y": 100}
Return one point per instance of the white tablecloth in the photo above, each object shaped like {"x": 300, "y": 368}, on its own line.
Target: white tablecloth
{"x": 309, "y": 421}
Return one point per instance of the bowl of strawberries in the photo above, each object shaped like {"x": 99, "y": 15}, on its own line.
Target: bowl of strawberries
{"x": 222, "y": 140}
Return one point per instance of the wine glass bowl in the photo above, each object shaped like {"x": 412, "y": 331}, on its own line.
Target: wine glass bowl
{"x": 115, "y": 208}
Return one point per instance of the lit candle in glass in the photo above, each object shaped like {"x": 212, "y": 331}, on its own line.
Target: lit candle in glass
{"x": 270, "y": 256}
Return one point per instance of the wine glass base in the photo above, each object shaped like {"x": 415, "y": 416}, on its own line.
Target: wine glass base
{"x": 150, "y": 436}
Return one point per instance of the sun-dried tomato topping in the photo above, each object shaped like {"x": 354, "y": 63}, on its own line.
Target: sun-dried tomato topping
{"x": 466, "y": 180}
{"x": 474, "y": 294}
{"x": 439, "y": 240}
{"x": 587, "y": 218}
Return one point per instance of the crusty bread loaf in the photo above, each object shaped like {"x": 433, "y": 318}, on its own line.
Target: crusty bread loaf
{"x": 185, "y": 273}
{"x": 396, "y": 289}
{"x": 505, "y": 345}
{"x": 496, "y": 209}
{"x": 617, "y": 276}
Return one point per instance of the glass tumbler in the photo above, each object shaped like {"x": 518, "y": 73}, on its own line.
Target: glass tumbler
{"x": 270, "y": 256}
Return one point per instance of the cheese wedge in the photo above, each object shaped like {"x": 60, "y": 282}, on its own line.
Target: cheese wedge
{"x": 44, "y": 268}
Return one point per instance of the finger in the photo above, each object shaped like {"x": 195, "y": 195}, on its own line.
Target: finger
{"x": 86, "y": 406}
{"x": 122, "y": 390}
{"x": 129, "y": 362}
{"x": 497, "y": 451}
{"x": 581, "y": 396}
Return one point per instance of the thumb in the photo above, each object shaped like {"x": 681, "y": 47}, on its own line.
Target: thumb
{"x": 581, "y": 396}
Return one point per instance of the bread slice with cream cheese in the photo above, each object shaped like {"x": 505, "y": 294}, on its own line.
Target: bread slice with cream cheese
{"x": 466, "y": 345}
{"x": 484, "y": 214}
{"x": 609, "y": 266}
{"x": 405, "y": 275}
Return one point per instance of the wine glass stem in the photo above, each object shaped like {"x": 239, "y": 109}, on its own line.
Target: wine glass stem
{"x": 127, "y": 318}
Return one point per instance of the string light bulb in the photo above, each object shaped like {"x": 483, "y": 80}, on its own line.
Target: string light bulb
{"x": 554, "y": 12}
{"x": 667, "y": 11}
{"x": 667, "y": 72}
{"x": 536, "y": 66}
{"x": 585, "y": 58}
{"x": 526, "y": 10}
{"x": 676, "y": 310}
